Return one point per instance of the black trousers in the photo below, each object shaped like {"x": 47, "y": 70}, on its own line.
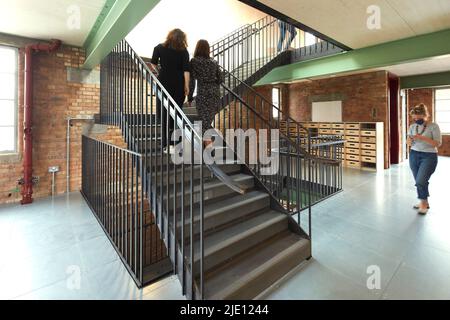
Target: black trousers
{"x": 166, "y": 120}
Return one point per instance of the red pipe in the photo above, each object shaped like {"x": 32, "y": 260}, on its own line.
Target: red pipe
{"x": 27, "y": 183}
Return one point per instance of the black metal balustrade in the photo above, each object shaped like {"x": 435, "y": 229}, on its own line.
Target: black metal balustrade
{"x": 244, "y": 58}
{"x": 310, "y": 168}
{"x": 112, "y": 186}
{"x": 133, "y": 99}
{"x": 253, "y": 50}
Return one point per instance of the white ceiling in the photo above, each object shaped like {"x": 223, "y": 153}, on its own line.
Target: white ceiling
{"x": 48, "y": 19}
{"x": 346, "y": 20}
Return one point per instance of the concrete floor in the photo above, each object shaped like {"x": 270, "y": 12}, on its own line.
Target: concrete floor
{"x": 55, "y": 249}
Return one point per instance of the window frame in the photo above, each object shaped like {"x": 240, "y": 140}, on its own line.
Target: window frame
{"x": 15, "y": 102}
{"x": 435, "y": 113}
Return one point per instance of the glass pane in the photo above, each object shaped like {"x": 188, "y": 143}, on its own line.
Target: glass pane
{"x": 309, "y": 39}
{"x": 442, "y": 94}
{"x": 445, "y": 127}
{"x": 443, "y": 116}
{"x": 276, "y": 96}
{"x": 7, "y": 60}
{"x": 7, "y": 86}
{"x": 442, "y": 105}
{"x": 275, "y": 113}
{"x": 7, "y": 113}
{"x": 7, "y": 139}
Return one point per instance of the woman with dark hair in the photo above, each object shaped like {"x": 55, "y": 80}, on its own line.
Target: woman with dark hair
{"x": 209, "y": 77}
{"x": 173, "y": 57}
{"x": 424, "y": 138}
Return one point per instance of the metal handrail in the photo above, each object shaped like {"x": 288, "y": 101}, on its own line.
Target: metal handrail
{"x": 130, "y": 95}
{"x": 265, "y": 101}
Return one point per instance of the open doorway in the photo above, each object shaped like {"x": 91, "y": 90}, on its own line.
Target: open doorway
{"x": 395, "y": 118}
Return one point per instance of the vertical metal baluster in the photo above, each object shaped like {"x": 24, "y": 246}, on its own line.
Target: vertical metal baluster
{"x": 167, "y": 171}
{"x": 183, "y": 223}
{"x": 174, "y": 224}
{"x": 141, "y": 224}
{"x": 191, "y": 217}
{"x": 202, "y": 246}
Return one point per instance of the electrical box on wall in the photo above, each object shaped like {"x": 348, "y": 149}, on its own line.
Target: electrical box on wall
{"x": 53, "y": 169}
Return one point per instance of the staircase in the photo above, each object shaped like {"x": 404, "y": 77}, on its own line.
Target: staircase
{"x": 222, "y": 244}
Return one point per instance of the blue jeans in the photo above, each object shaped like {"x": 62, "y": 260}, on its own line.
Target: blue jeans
{"x": 284, "y": 29}
{"x": 423, "y": 165}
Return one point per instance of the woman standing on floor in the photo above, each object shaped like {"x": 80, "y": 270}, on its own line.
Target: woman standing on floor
{"x": 173, "y": 57}
{"x": 209, "y": 77}
{"x": 425, "y": 138}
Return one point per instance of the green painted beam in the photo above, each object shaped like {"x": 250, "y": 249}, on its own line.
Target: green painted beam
{"x": 121, "y": 18}
{"x": 386, "y": 54}
{"x": 440, "y": 79}
{"x": 99, "y": 22}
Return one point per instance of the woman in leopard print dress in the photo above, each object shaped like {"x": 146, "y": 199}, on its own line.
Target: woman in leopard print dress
{"x": 209, "y": 77}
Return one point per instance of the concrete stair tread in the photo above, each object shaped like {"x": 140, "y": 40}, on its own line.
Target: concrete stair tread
{"x": 213, "y": 209}
{"x": 227, "y": 168}
{"x": 215, "y": 183}
{"x": 226, "y": 281}
{"x": 237, "y": 232}
{"x": 233, "y": 202}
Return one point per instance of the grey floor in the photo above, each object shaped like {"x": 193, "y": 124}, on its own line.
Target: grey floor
{"x": 55, "y": 249}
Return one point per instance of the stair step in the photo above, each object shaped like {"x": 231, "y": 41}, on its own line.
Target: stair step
{"x": 223, "y": 212}
{"x": 228, "y": 169}
{"x": 211, "y": 190}
{"x": 224, "y": 245}
{"x": 255, "y": 270}
{"x": 190, "y": 111}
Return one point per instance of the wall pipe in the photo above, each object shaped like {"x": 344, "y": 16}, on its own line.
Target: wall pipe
{"x": 27, "y": 183}
{"x": 69, "y": 124}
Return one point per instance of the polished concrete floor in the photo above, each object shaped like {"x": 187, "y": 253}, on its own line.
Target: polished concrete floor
{"x": 369, "y": 234}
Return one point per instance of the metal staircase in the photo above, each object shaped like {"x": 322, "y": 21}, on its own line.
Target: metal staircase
{"x": 221, "y": 244}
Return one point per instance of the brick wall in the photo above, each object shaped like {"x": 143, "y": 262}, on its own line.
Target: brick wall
{"x": 418, "y": 96}
{"x": 55, "y": 98}
{"x": 364, "y": 97}
{"x": 426, "y": 96}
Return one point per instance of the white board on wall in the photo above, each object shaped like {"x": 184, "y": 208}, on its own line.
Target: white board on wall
{"x": 327, "y": 111}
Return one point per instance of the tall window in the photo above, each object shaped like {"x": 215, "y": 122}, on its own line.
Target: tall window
{"x": 8, "y": 100}
{"x": 276, "y": 101}
{"x": 442, "y": 109}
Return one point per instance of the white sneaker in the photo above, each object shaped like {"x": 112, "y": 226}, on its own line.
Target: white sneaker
{"x": 170, "y": 150}
{"x": 417, "y": 206}
{"x": 422, "y": 211}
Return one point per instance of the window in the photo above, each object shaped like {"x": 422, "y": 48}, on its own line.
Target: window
{"x": 442, "y": 109}
{"x": 276, "y": 101}
{"x": 8, "y": 100}
{"x": 310, "y": 39}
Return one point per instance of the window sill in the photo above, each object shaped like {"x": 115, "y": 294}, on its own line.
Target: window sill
{"x": 8, "y": 158}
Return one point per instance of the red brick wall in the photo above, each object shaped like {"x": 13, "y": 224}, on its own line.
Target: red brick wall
{"x": 426, "y": 96}
{"x": 418, "y": 96}
{"x": 361, "y": 94}
{"x": 54, "y": 100}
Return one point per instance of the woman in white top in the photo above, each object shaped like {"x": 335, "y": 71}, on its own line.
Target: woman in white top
{"x": 424, "y": 138}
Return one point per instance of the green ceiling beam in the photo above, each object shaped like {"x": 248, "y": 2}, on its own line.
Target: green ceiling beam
{"x": 120, "y": 18}
{"x": 440, "y": 79}
{"x": 386, "y": 54}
